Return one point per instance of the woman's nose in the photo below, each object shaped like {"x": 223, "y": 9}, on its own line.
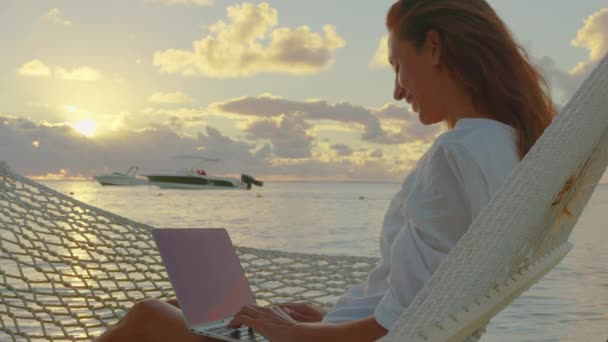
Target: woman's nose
{"x": 399, "y": 92}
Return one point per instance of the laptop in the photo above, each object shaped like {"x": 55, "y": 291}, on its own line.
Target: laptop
{"x": 209, "y": 282}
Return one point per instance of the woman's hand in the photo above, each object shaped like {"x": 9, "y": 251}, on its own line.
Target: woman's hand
{"x": 272, "y": 323}
{"x": 277, "y": 326}
{"x": 303, "y": 312}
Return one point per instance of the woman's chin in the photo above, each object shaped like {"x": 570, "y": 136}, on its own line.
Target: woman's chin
{"x": 422, "y": 118}
{"x": 425, "y": 120}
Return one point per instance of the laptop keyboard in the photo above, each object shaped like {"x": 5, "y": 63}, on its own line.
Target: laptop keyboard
{"x": 240, "y": 334}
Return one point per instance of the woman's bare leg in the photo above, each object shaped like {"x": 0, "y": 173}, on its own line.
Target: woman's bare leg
{"x": 152, "y": 320}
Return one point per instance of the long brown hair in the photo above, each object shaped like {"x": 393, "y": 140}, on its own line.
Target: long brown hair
{"x": 481, "y": 53}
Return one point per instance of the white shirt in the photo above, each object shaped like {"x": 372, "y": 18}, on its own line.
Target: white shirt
{"x": 438, "y": 201}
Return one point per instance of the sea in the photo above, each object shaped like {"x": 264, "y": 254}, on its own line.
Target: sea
{"x": 569, "y": 304}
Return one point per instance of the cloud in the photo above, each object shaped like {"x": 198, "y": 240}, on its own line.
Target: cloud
{"x": 342, "y": 150}
{"x": 236, "y": 156}
{"x": 184, "y": 2}
{"x": 376, "y": 154}
{"x": 54, "y": 16}
{"x": 249, "y": 43}
{"x": 380, "y": 59}
{"x": 170, "y": 98}
{"x": 178, "y": 118}
{"x": 406, "y": 126}
{"x": 24, "y": 139}
{"x": 264, "y": 152}
{"x": 83, "y": 74}
{"x": 61, "y": 152}
{"x": 593, "y": 37}
{"x": 61, "y": 147}
{"x": 34, "y": 68}
{"x": 37, "y": 68}
{"x": 312, "y": 110}
{"x": 288, "y": 136}
{"x": 62, "y": 174}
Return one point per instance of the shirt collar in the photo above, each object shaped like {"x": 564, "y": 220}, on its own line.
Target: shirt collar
{"x": 477, "y": 122}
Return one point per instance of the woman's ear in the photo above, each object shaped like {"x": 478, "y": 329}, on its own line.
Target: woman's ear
{"x": 433, "y": 46}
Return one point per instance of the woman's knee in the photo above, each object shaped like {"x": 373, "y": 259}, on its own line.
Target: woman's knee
{"x": 173, "y": 302}
{"x": 143, "y": 310}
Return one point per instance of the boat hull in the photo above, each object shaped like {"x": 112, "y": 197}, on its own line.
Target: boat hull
{"x": 120, "y": 181}
{"x": 192, "y": 182}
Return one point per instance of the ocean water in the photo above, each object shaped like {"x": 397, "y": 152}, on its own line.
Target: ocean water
{"x": 569, "y": 304}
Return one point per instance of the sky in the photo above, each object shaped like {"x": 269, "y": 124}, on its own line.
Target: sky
{"x": 283, "y": 90}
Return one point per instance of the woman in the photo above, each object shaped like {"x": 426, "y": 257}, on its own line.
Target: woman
{"x": 455, "y": 62}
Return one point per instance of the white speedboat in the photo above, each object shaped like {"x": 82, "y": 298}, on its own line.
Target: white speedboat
{"x": 198, "y": 179}
{"x": 128, "y": 178}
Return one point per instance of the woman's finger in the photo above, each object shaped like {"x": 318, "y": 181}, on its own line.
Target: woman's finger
{"x": 293, "y": 306}
{"x": 242, "y": 319}
{"x": 301, "y": 317}
{"x": 251, "y": 310}
{"x": 279, "y": 311}
{"x": 303, "y": 312}
{"x": 302, "y": 307}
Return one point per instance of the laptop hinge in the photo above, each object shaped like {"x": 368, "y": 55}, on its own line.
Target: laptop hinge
{"x": 211, "y": 324}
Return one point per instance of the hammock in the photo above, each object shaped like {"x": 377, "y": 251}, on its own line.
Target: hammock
{"x": 69, "y": 270}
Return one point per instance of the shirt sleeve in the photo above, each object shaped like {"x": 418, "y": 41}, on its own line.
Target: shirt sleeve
{"x": 449, "y": 191}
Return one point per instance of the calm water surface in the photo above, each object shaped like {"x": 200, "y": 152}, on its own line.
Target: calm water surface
{"x": 569, "y": 304}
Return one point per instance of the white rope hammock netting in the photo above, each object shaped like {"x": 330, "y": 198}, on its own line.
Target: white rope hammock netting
{"x": 68, "y": 270}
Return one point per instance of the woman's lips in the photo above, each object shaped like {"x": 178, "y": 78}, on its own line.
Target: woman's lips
{"x": 412, "y": 102}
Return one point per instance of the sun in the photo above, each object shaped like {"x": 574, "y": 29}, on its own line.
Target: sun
{"x": 86, "y": 127}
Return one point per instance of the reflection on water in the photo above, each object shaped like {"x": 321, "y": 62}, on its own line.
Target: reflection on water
{"x": 569, "y": 304}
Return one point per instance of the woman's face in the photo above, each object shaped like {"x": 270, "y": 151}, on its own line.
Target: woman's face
{"x": 417, "y": 77}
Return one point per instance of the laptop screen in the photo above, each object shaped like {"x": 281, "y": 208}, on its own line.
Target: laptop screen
{"x": 205, "y": 272}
